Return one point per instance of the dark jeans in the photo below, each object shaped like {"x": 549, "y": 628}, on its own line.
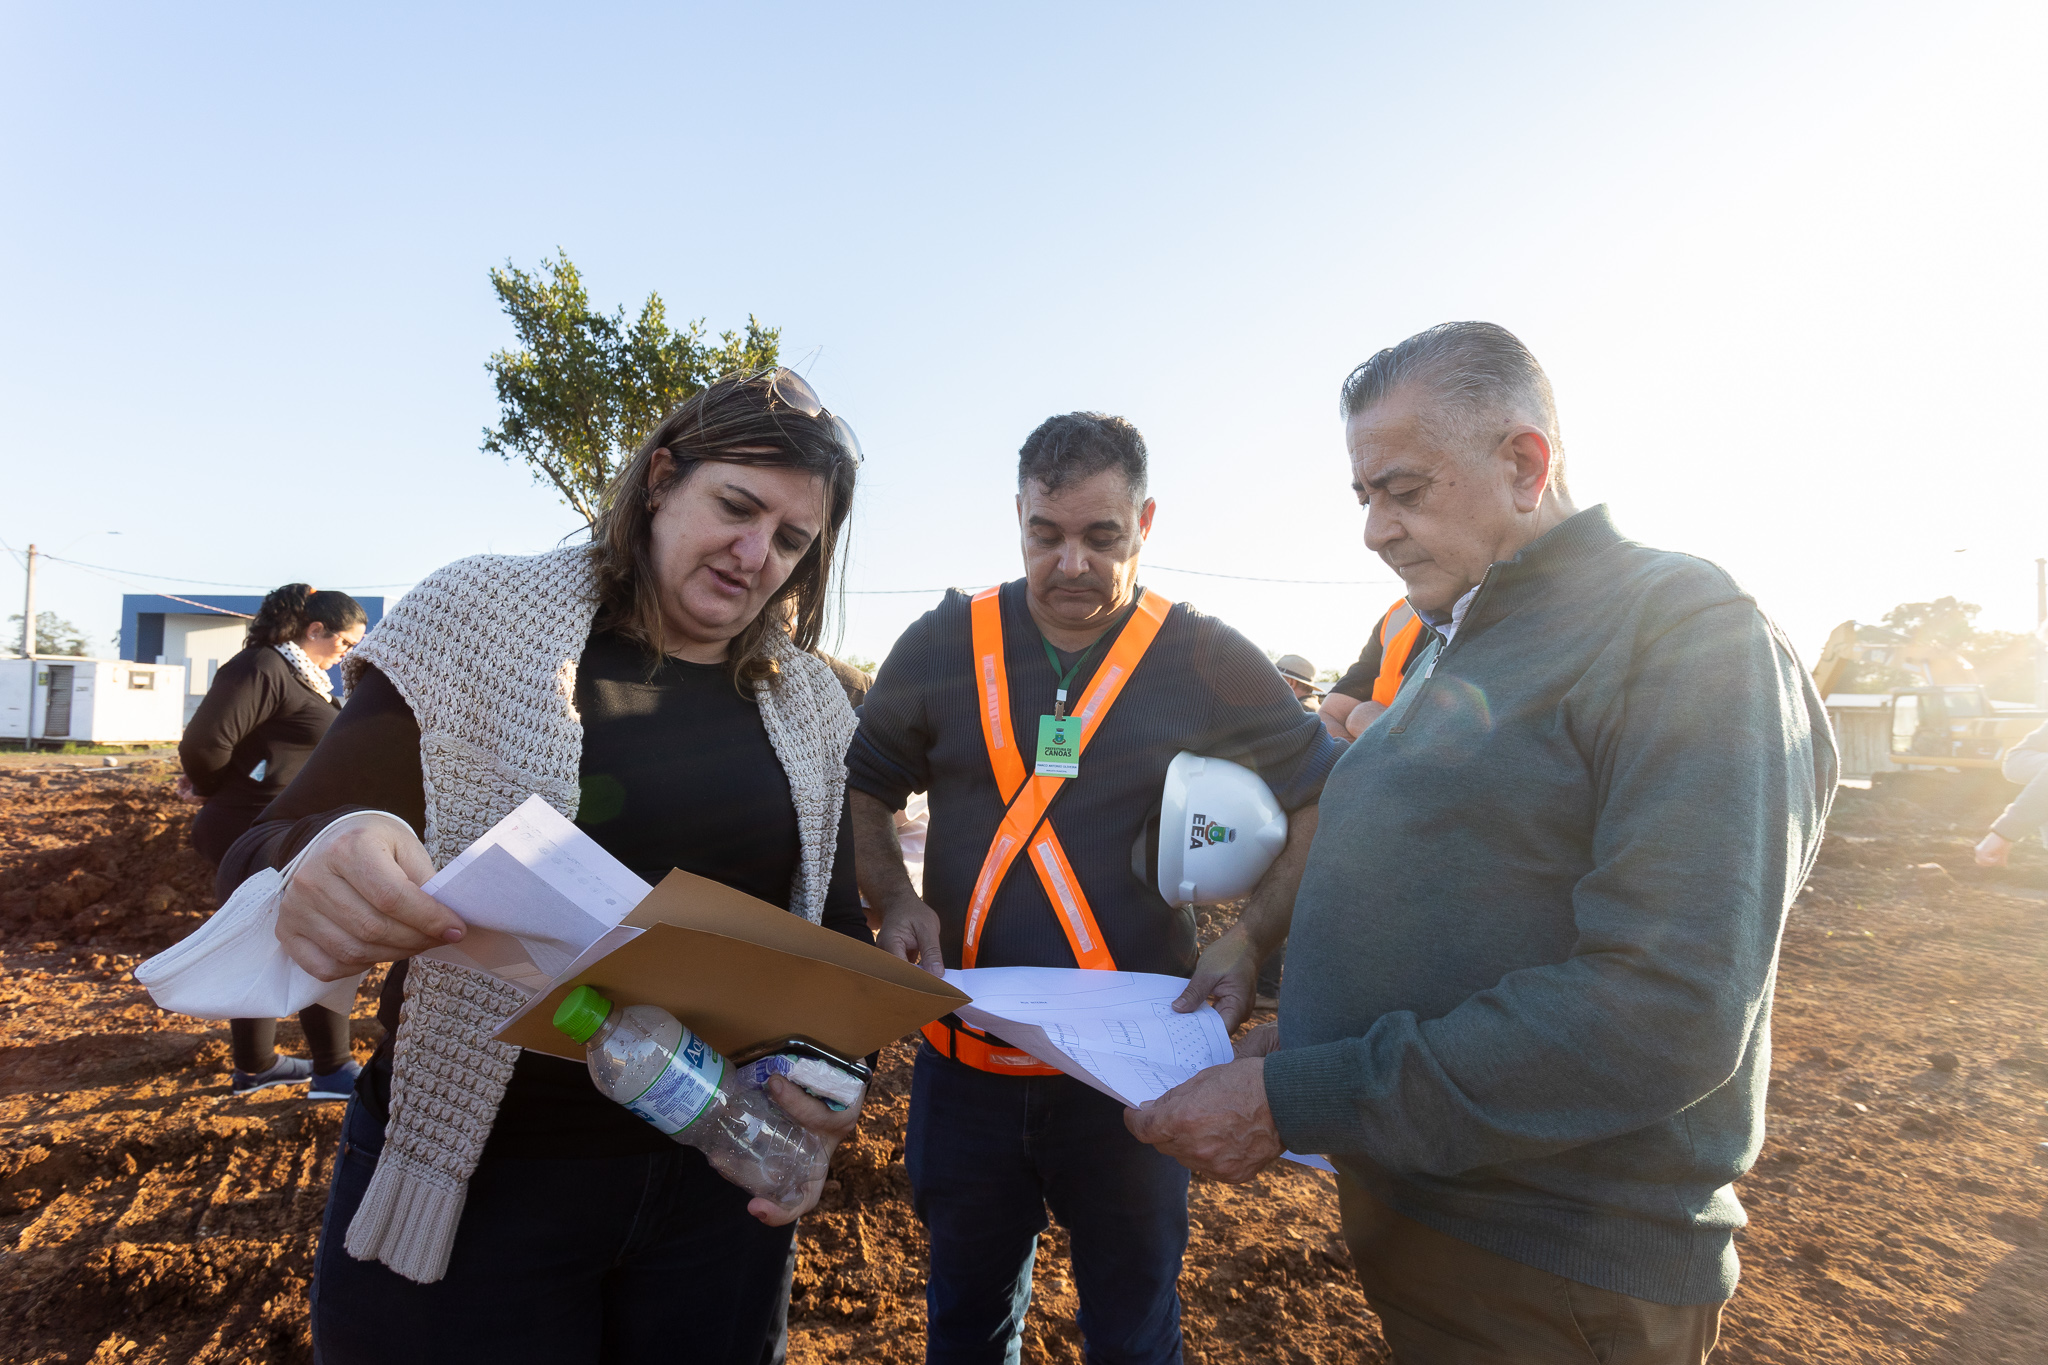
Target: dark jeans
{"x": 1270, "y": 969}
{"x": 987, "y": 1154}
{"x": 219, "y": 823}
{"x": 567, "y": 1261}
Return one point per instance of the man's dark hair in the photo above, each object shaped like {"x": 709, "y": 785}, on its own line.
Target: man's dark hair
{"x": 1079, "y": 445}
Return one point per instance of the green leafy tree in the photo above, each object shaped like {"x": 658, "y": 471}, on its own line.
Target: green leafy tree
{"x": 2001, "y": 660}
{"x": 583, "y": 388}
{"x": 54, "y": 634}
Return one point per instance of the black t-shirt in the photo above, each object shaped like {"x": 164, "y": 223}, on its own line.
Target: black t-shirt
{"x": 1358, "y": 679}
{"x": 1201, "y": 687}
{"x": 677, "y": 771}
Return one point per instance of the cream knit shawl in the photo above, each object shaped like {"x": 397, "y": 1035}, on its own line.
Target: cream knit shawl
{"x": 484, "y": 651}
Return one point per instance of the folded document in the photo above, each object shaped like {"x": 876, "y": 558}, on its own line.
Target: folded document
{"x": 1118, "y": 1031}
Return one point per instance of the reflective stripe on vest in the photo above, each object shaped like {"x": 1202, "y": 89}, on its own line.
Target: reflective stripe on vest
{"x": 1029, "y": 799}
{"x": 1400, "y": 628}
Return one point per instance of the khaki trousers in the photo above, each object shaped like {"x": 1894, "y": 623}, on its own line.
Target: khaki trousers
{"x": 1446, "y": 1302}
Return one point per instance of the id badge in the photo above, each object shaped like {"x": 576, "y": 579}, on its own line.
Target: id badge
{"x": 1059, "y": 747}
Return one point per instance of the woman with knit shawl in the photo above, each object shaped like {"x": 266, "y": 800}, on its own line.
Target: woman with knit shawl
{"x": 658, "y": 685}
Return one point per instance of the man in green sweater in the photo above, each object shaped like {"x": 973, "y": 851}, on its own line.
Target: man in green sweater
{"x": 1527, "y": 1011}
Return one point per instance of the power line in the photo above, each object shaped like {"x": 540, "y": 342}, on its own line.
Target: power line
{"x": 851, "y": 592}
{"x": 204, "y": 582}
{"x": 1253, "y": 578}
{"x": 1167, "y": 568}
{"x": 202, "y": 606}
{"x": 222, "y": 611}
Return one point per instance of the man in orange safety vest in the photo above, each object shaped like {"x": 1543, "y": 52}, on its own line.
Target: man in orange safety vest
{"x": 1040, "y": 717}
{"x": 1369, "y": 686}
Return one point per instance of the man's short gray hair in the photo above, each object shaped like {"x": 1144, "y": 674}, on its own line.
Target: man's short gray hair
{"x": 1483, "y": 378}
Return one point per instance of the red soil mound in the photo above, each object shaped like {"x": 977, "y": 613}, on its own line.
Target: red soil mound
{"x": 1897, "y": 1211}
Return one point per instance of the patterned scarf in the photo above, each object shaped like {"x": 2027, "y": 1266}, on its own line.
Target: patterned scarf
{"x": 309, "y": 673}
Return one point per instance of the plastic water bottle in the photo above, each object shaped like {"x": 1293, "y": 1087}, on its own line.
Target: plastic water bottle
{"x": 644, "y": 1058}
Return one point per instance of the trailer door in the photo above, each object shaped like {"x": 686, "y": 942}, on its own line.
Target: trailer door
{"x": 57, "y": 704}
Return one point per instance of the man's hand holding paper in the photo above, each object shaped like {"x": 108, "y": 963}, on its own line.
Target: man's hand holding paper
{"x": 1227, "y": 976}
{"x": 1216, "y": 1122}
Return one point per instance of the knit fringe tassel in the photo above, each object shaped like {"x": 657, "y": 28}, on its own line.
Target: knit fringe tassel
{"x": 408, "y": 1219}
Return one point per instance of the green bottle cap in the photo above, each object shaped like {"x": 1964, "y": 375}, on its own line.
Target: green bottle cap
{"x": 581, "y": 1013}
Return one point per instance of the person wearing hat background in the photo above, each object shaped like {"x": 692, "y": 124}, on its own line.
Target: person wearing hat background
{"x": 964, "y": 709}
{"x": 1301, "y": 676}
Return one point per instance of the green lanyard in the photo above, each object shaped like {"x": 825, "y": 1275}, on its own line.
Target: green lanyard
{"x": 1059, "y": 706}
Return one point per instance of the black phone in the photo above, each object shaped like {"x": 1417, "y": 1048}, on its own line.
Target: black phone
{"x": 796, "y": 1045}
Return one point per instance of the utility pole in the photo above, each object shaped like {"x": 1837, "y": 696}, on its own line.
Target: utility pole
{"x": 28, "y": 649}
{"x": 28, "y": 609}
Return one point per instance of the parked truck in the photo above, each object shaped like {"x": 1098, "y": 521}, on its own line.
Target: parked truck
{"x": 1956, "y": 726}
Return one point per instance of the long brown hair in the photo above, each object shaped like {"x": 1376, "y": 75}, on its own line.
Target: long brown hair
{"x": 738, "y": 411}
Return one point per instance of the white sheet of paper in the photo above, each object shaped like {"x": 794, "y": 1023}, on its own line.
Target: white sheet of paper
{"x": 535, "y": 893}
{"x": 1118, "y": 1031}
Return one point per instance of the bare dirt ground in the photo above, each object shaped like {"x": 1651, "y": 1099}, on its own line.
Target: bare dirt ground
{"x": 1897, "y": 1212}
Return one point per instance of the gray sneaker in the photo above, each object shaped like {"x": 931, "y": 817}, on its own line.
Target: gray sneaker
{"x": 336, "y": 1085}
{"x": 284, "y": 1071}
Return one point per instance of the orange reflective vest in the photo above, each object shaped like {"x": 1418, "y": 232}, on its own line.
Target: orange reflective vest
{"x": 1025, "y": 824}
{"x": 1400, "y": 628}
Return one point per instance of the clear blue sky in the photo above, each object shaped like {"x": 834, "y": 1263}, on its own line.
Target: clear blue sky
{"x": 1783, "y": 262}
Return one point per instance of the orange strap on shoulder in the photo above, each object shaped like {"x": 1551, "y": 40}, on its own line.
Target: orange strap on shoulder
{"x": 992, "y": 682}
{"x": 1400, "y": 628}
{"x": 1030, "y": 798}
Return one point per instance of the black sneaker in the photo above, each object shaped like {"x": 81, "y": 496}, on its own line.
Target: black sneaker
{"x": 284, "y": 1071}
{"x": 336, "y": 1085}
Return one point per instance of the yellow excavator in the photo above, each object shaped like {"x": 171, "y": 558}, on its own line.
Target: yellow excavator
{"x": 1946, "y": 723}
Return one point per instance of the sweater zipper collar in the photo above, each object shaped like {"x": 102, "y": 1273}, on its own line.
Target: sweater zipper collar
{"x": 1429, "y": 674}
{"x": 1593, "y": 527}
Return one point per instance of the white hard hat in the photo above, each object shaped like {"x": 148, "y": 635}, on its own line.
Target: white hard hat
{"x": 1220, "y": 828}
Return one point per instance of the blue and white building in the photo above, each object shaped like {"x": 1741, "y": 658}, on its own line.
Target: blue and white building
{"x": 200, "y": 632}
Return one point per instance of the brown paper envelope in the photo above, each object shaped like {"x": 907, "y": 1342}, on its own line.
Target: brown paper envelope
{"x": 739, "y": 972}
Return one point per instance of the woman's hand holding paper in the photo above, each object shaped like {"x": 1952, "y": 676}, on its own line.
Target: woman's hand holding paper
{"x": 356, "y": 902}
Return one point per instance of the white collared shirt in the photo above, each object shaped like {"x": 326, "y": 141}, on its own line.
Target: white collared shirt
{"x": 1458, "y": 609}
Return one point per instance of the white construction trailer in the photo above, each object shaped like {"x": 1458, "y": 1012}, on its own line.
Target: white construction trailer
{"x": 91, "y": 701}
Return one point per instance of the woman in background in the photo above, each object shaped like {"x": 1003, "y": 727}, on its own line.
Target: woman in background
{"x": 266, "y": 710}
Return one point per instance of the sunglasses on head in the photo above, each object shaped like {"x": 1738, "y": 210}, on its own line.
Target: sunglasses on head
{"x": 795, "y": 393}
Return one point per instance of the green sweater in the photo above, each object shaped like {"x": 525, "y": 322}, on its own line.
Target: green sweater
{"x": 1528, "y": 992}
